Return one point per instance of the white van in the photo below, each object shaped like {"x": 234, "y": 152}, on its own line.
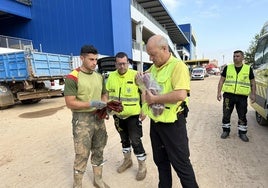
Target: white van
{"x": 198, "y": 74}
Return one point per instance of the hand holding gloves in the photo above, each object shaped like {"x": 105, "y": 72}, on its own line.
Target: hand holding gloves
{"x": 97, "y": 104}
{"x": 111, "y": 106}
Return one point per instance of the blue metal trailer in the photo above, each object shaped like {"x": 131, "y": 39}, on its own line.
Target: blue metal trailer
{"x": 22, "y": 75}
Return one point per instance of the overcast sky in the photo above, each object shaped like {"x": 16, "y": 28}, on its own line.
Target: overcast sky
{"x": 220, "y": 26}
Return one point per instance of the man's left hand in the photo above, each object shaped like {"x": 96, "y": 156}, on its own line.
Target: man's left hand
{"x": 149, "y": 97}
{"x": 142, "y": 116}
{"x": 252, "y": 98}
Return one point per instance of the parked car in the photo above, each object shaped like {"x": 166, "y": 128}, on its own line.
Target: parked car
{"x": 198, "y": 74}
{"x": 55, "y": 85}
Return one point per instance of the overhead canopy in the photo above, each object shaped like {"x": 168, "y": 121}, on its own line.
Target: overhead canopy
{"x": 158, "y": 11}
{"x": 15, "y": 9}
{"x": 197, "y": 62}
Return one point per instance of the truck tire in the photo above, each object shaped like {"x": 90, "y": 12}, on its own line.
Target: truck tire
{"x": 261, "y": 121}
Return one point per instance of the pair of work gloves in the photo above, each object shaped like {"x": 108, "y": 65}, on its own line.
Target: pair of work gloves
{"x": 103, "y": 108}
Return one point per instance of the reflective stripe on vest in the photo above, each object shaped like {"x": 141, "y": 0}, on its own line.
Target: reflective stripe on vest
{"x": 123, "y": 99}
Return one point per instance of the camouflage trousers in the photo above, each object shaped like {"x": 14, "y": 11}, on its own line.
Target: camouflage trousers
{"x": 89, "y": 135}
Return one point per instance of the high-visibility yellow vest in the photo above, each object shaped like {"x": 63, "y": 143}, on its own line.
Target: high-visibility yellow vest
{"x": 124, "y": 88}
{"x": 237, "y": 83}
{"x": 163, "y": 78}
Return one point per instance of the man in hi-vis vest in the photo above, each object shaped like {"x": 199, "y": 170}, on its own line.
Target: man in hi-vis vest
{"x": 237, "y": 82}
{"x": 168, "y": 131}
{"x": 121, "y": 86}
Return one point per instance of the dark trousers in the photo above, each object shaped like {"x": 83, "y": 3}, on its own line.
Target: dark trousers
{"x": 170, "y": 147}
{"x": 240, "y": 102}
{"x": 130, "y": 131}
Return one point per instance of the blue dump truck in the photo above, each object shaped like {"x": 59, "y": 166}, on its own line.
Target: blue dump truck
{"x": 23, "y": 73}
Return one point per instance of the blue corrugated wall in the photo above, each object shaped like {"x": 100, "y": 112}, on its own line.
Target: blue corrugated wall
{"x": 63, "y": 26}
{"x": 122, "y": 32}
{"x": 186, "y": 29}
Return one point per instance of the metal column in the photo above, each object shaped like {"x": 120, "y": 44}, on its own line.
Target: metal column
{"x": 139, "y": 28}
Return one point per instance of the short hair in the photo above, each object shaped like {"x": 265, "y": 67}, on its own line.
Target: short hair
{"x": 239, "y": 51}
{"x": 88, "y": 49}
{"x": 163, "y": 41}
{"x": 121, "y": 55}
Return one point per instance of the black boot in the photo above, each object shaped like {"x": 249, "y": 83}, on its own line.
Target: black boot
{"x": 243, "y": 137}
{"x": 224, "y": 134}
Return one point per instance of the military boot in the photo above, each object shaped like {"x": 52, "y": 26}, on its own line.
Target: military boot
{"x": 98, "y": 182}
{"x": 224, "y": 134}
{"x": 243, "y": 137}
{"x": 127, "y": 163}
{"x": 141, "y": 171}
{"x": 78, "y": 177}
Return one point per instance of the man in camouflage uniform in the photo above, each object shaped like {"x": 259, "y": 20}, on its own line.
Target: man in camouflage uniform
{"x": 85, "y": 93}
